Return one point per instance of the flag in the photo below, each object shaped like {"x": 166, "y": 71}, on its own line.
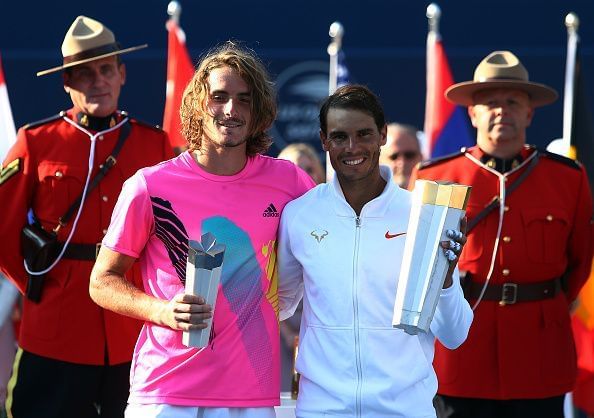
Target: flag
{"x": 7, "y": 130}
{"x": 446, "y": 124}
{"x": 179, "y": 72}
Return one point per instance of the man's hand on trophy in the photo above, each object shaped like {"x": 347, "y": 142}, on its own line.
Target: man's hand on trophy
{"x": 186, "y": 312}
{"x": 452, "y": 249}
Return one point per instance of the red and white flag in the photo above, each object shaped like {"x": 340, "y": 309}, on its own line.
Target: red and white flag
{"x": 179, "y": 72}
{"x": 7, "y": 130}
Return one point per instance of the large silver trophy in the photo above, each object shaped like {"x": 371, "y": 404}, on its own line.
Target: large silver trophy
{"x": 436, "y": 207}
{"x": 203, "y": 275}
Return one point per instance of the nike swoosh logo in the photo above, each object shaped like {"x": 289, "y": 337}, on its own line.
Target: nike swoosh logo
{"x": 390, "y": 236}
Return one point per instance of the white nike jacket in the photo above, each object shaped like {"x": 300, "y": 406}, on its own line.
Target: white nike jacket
{"x": 352, "y": 361}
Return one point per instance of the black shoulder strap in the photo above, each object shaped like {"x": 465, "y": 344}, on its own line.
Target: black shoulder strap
{"x": 44, "y": 121}
{"x": 103, "y": 169}
{"x": 561, "y": 159}
{"x": 494, "y": 204}
{"x": 433, "y": 161}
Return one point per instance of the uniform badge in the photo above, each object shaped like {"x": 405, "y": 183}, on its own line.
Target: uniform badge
{"x": 9, "y": 170}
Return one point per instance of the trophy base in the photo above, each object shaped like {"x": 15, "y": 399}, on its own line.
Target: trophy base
{"x": 410, "y": 329}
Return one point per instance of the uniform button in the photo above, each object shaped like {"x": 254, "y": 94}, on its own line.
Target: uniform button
{"x": 104, "y": 231}
{"x": 505, "y": 208}
{"x": 506, "y": 239}
{"x": 505, "y": 272}
{"x": 59, "y": 174}
{"x": 100, "y": 137}
{"x": 549, "y": 218}
{"x": 105, "y": 198}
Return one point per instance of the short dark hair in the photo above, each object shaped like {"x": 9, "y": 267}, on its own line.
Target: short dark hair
{"x": 356, "y": 97}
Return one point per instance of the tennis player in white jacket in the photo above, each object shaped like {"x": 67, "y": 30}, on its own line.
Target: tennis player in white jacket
{"x": 340, "y": 247}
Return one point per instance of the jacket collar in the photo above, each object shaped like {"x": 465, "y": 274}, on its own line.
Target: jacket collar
{"x": 374, "y": 208}
{"x": 94, "y": 123}
{"x": 499, "y": 165}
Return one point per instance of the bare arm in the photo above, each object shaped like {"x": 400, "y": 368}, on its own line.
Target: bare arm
{"x": 110, "y": 289}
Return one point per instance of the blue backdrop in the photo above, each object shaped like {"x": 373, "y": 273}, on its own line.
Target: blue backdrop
{"x": 384, "y": 45}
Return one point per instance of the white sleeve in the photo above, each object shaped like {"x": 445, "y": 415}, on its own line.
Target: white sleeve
{"x": 290, "y": 271}
{"x": 453, "y": 315}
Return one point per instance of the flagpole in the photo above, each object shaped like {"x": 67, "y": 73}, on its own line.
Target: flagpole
{"x": 572, "y": 23}
{"x": 174, "y": 10}
{"x": 433, "y": 14}
{"x": 336, "y": 33}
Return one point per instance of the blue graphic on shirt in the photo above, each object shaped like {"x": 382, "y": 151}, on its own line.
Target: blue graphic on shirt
{"x": 241, "y": 278}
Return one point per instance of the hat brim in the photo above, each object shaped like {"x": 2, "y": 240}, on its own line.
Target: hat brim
{"x": 98, "y": 57}
{"x": 463, "y": 93}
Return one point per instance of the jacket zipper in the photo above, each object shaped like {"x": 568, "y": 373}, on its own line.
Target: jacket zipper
{"x": 356, "y": 318}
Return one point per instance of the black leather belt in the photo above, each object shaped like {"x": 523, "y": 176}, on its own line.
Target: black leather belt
{"x": 85, "y": 252}
{"x": 511, "y": 293}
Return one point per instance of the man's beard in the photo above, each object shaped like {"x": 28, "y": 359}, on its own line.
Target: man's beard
{"x": 234, "y": 145}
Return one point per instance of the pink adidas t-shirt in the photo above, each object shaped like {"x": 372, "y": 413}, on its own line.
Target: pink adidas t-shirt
{"x": 158, "y": 210}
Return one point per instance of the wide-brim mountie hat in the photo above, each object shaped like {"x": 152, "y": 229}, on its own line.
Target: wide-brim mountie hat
{"x": 88, "y": 40}
{"x": 500, "y": 70}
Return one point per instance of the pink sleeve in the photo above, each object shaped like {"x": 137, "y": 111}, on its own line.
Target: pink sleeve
{"x": 132, "y": 220}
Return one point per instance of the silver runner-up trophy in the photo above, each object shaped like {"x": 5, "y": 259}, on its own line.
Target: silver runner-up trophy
{"x": 436, "y": 207}
{"x": 203, "y": 275}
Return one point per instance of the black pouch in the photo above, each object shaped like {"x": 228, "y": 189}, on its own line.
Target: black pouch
{"x": 39, "y": 248}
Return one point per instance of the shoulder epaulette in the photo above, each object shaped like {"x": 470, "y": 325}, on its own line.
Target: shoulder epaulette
{"x": 438, "y": 160}
{"x": 146, "y": 124}
{"x": 560, "y": 159}
{"x": 46, "y": 120}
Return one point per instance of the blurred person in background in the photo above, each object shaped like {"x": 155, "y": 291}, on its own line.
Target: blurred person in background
{"x": 306, "y": 158}
{"x": 402, "y": 152}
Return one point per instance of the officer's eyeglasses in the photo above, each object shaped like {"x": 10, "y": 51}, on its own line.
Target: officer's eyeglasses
{"x": 407, "y": 155}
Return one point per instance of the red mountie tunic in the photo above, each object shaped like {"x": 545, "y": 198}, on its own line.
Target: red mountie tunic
{"x": 525, "y": 350}
{"x": 46, "y": 170}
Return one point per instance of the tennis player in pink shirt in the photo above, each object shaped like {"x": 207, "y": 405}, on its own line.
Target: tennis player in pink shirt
{"x": 222, "y": 185}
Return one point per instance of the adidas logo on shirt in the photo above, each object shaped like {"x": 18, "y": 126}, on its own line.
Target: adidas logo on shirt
{"x": 271, "y": 212}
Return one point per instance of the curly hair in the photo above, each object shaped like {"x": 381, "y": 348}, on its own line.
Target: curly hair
{"x": 263, "y": 101}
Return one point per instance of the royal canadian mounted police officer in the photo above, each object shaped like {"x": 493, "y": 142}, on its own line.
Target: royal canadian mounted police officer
{"x": 74, "y": 357}
{"x": 529, "y": 252}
